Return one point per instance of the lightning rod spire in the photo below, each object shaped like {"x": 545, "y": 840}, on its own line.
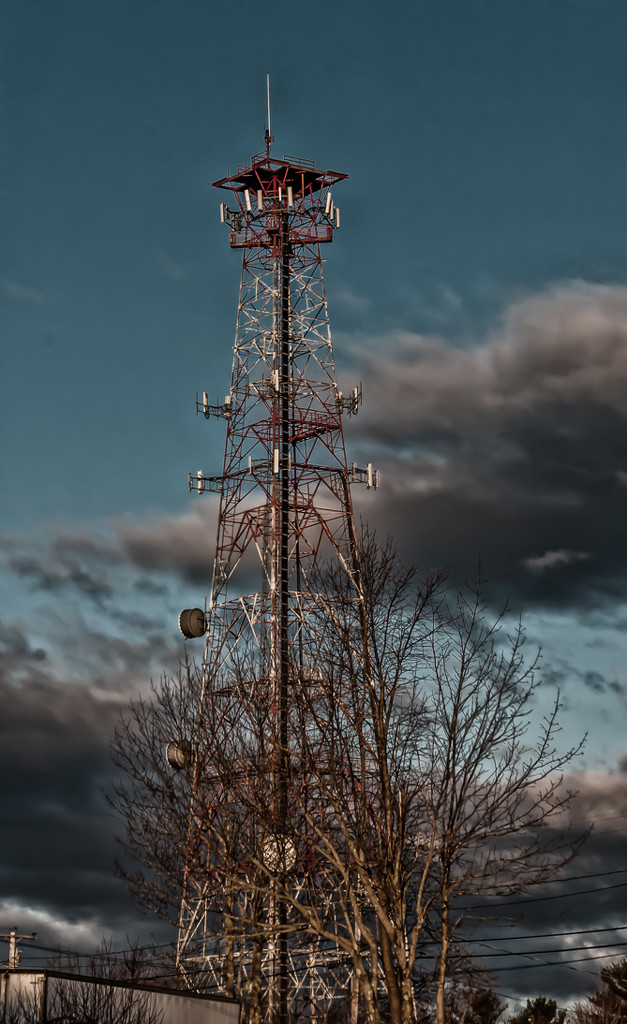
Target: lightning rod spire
{"x": 269, "y": 139}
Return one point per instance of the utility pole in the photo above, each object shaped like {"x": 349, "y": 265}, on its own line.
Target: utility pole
{"x": 14, "y": 952}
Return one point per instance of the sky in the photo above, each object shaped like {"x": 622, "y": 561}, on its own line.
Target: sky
{"x": 478, "y": 289}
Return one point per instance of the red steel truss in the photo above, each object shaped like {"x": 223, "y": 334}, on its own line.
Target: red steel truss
{"x": 285, "y": 502}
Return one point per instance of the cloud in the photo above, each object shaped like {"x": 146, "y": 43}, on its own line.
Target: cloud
{"x": 28, "y": 293}
{"x": 183, "y": 545}
{"x": 15, "y": 648}
{"x": 61, "y": 701}
{"x": 586, "y": 902}
{"x": 553, "y": 559}
{"x": 73, "y": 933}
{"x": 102, "y": 628}
{"x": 85, "y": 562}
{"x": 65, "y": 574}
{"x": 511, "y": 450}
{"x": 170, "y": 269}
{"x": 349, "y": 300}
{"x": 64, "y": 561}
{"x": 53, "y": 761}
{"x": 594, "y": 681}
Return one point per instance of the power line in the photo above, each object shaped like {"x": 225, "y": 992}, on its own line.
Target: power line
{"x": 556, "y": 881}
{"x": 546, "y": 935}
{"x": 100, "y": 953}
{"x": 543, "y": 952}
{"x": 577, "y": 878}
{"x": 119, "y": 954}
{"x": 552, "y": 963}
{"x": 112, "y": 954}
{"x": 557, "y": 895}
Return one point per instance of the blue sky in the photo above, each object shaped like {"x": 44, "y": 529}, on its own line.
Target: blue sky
{"x": 477, "y": 287}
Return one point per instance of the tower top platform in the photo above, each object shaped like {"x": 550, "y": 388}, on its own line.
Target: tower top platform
{"x": 269, "y": 173}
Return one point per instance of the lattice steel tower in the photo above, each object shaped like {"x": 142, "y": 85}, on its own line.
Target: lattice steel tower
{"x": 285, "y": 502}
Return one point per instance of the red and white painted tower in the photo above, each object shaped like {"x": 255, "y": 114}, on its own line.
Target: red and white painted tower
{"x": 285, "y": 501}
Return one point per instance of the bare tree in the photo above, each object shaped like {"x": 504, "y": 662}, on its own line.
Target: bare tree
{"x": 184, "y": 824}
{"x": 104, "y": 988}
{"x": 411, "y": 775}
{"x": 420, "y": 750}
{"x": 90, "y": 1001}
{"x": 153, "y": 801}
{"x": 494, "y": 786}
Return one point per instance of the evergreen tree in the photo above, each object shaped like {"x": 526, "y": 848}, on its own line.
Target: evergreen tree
{"x": 609, "y": 1005}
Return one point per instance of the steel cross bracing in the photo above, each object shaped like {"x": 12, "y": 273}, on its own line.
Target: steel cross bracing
{"x": 285, "y": 507}
{"x": 318, "y": 974}
{"x": 256, "y": 464}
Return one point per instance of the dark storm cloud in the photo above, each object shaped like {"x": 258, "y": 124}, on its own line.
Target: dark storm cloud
{"x": 86, "y": 562}
{"x": 63, "y": 568}
{"x": 64, "y": 574}
{"x": 147, "y": 586}
{"x": 586, "y": 903}
{"x": 554, "y": 677}
{"x": 15, "y": 649}
{"x": 183, "y": 545}
{"x": 598, "y": 683}
{"x": 120, "y": 642}
{"x": 61, "y": 698}
{"x": 513, "y": 451}
{"x": 594, "y": 681}
{"x": 57, "y": 844}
